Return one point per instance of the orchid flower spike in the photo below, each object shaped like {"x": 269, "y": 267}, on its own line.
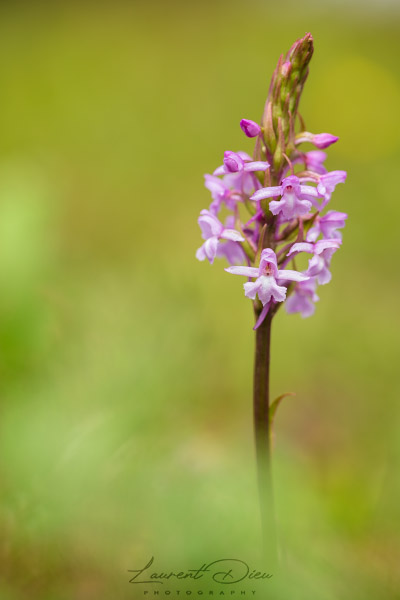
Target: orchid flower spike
{"x": 273, "y": 200}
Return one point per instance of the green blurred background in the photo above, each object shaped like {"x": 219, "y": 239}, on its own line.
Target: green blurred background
{"x": 126, "y": 365}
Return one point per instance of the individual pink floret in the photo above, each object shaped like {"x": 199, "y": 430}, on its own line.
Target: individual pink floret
{"x": 327, "y": 226}
{"x": 214, "y": 232}
{"x": 270, "y": 281}
{"x": 296, "y": 199}
{"x": 314, "y": 161}
{"x": 318, "y": 265}
{"x": 303, "y": 298}
{"x": 232, "y": 251}
{"x": 327, "y": 184}
{"x": 320, "y": 140}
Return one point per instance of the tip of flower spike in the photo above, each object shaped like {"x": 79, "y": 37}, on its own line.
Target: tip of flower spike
{"x": 250, "y": 128}
{"x": 307, "y": 40}
{"x": 303, "y": 47}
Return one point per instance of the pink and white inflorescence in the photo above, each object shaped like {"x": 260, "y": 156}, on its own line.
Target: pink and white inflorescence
{"x": 269, "y": 210}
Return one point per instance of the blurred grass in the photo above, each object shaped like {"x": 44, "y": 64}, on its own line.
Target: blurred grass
{"x": 126, "y": 365}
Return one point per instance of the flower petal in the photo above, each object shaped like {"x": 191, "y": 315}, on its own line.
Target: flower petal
{"x": 220, "y": 171}
{"x": 200, "y": 253}
{"x": 245, "y": 271}
{"x": 232, "y": 251}
{"x": 214, "y": 185}
{"x": 289, "y": 275}
{"x": 210, "y": 248}
{"x": 315, "y": 265}
{"x": 276, "y": 206}
{"x": 300, "y": 303}
{"x": 209, "y": 224}
{"x": 232, "y": 234}
{"x": 302, "y": 247}
{"x": 308, "y": 190}
{"x": 334, "y": 215}
{"x": 268, "y": 288}
{"x": 244, "y": 155}
{"x": 322, "y": 245}
{"x": 324, "y": 276}
{"x": 250, "y": 289}
{"x": 256, "y": 166}
{"x": 268, "y": 258}
{"x": 267, "y": 192}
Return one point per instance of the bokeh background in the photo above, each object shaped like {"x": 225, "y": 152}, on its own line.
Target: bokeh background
{"x": 126, "y": 365}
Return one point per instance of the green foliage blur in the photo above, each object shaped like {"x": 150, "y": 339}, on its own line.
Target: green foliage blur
{"x": 126, "y": 365}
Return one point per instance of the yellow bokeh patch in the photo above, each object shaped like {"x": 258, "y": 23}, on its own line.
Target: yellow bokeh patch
{"x": 358, "y": 100}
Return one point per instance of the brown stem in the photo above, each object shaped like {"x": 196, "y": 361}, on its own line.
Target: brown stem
{"x": 262, "y": 432}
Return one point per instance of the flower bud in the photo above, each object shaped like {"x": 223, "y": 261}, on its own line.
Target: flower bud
{"x": 283, "y": 99}
{"x": 232, "y": 161}
{"x": 250, "y": 128}
{"x": 323, "y": 140}
{"x": 320, "y": 140}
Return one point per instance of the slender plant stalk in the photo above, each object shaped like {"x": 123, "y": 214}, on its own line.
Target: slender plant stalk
{"x": 262, "y": 431}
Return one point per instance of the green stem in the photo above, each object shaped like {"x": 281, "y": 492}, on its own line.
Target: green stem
{"x": 262, "y": 433}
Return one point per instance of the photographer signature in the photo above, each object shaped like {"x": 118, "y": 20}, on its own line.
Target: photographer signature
{"x": 223, "y": 571}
